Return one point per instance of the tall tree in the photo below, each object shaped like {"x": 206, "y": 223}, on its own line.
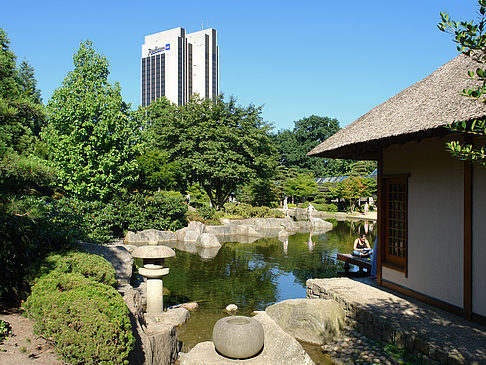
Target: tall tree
{"x": 218, "y": 144}
{"x": 471, "y": 39}
{"x": 307, "y": 133}
{"x": 18, "y": 112}
{"x": 92, "y": 137}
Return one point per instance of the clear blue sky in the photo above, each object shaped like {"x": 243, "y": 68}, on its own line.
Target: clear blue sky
{"x": 297, "y": 58}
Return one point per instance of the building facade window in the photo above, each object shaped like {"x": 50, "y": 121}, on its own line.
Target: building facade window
{"x": 395, "y": 206}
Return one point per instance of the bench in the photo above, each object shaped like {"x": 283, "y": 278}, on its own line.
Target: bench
{"x": 362, "y": 262}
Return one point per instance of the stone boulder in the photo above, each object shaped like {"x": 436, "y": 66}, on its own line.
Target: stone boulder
{"x": 117, "y": 255}
{"x": 315, "y": 321}
{"x": 318, "y": 222}
{"x": 150, "y": 236}
{"x": 208, "y": 253}
{"x": 208, "y": 240}
{"x": 187, "y": 235}
{"x": 175, "y": 317}
{"x": 279, "y": 348}
{"x": 196, "y": 226}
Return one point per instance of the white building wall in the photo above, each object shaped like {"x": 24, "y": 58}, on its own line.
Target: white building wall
{"x": 435, "y": 219}
{"x": 479, "y": 238}
{"x": 201, "y": 75}
{"x": 161, "y": 40}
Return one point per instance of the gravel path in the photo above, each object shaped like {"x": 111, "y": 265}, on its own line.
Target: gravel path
{"x": 22, "y": 346}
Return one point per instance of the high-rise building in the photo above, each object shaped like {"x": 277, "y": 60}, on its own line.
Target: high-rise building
{"x": 177, "y": 65}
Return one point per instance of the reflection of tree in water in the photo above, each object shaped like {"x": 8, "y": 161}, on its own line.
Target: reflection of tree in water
{"x": 233, "y": 276}
{"x": 247, "y": 274}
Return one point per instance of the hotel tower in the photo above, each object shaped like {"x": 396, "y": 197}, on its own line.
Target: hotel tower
{"x": 177, "y": 65}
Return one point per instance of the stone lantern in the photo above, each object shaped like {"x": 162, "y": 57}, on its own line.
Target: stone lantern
{"x": 153, "y": 269}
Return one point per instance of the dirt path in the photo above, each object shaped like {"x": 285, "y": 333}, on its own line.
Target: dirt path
{"x": 22, "y": 345}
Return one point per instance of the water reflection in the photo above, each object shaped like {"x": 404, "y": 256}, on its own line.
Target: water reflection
{"x": 253, "y": 275}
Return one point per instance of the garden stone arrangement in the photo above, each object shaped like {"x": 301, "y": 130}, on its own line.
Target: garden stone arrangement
{"x": 206, "y": 240}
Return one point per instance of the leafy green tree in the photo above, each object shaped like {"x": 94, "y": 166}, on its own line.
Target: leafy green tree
{"x": 261, "y": 192}
{"x": 91, "y": 135}
{"x": 18, "y": 112}
{"x": 471, "y": 39}
{"x": 362, "y": 168}
{"x": 352, "y": 189}
{"x": 300, "y": 187}
{"x": 218, "y": 144}
{"x": 307, "y": 134}
{"x": 157, "y": 172}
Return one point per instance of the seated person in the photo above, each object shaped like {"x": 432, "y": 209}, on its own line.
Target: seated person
{"x": 361, "y": 247}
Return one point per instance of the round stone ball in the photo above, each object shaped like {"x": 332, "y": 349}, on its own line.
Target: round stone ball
{"x": 238, "y": 337}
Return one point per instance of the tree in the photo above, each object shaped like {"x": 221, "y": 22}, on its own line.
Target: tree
{"x": 362, "y": 168}
{"x": 300, "y": 186}
{"x": 218, "y": 144}
{"x": 157, "y": 172}
{"x": 352, "y": 189}
{"x": 293, "y": 146}
{"x": 471, "y": 39}
{"x": 18, "y": 112}
{"x": 91, "y": 135}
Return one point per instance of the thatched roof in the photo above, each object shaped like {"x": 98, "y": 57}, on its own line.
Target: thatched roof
{"x": 417, "y": 112}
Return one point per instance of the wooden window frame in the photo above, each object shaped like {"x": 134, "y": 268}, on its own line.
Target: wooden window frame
{"x": 399, "y": 263}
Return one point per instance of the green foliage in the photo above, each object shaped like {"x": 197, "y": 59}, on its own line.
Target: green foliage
{"x": 163, "y": 210}
{"x": 99, "y": 222}
{"x": 247, "y": 211}
{"x": 353, "y": 188}
{"x": 20, "y": 116}
{"x": 293, "y": 145}
{"x": 4, "y": 330}
{"x": 23, "y": 241}
{"x": 92, "y": 137}
{"x": 261, "y": 192}
{"x": 362, "y": 168}
{"x": 471, "y": 39}
{"x": 87, "y": 320}
{"x": 218, "y": 144}
{"x": 88, "y": 265}
{"x": 302, "y": 186}
{"x": 19, "y": 173}
{"x": 157, "y": 172}
{"x": 332, "y": 208}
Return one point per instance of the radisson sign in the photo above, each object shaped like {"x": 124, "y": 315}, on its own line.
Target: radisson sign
{"x": 156, "y": 50}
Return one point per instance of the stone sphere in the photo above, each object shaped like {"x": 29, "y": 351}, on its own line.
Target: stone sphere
{"x": 238, "y": 337}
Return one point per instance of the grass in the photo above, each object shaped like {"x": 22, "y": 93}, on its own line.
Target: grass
{"x": 401, "y": 356}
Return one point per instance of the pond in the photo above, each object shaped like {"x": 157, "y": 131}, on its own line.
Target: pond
{"x": 254, "y": 275}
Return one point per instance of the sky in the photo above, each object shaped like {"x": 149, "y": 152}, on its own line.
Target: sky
{"x": 295, "y": 58}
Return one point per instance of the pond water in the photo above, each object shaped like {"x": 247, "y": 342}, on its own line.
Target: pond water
{"x": 254, "y": 275}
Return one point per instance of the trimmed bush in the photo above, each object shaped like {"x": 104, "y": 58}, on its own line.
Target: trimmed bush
{"x": 332, "y": 208}
{"x": 247, "y": 211}
{"x": 87, "y": 320}
{"x": 90, "y": 266}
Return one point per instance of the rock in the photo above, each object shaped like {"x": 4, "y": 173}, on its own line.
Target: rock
{"x": 151, "y": 236}
{"x": 162, "y": 344}
{"x": 193, "y": 306}
{"x": 187, "y": 235}
{"x": 310, "y": 320}
{"x": 248, "y": 231}
{"x": 231, "y": 308}
{"x": 279, "y": 348}
{"x": 208, "y": 240}
{"x": 238, "y": 337}
{"x": 318, "y": 222}
{"x": 208, "y": 252}
{"x": 174, "y": 317}
{"x": 197, "y": 227}
{"x": 117, "y": 255}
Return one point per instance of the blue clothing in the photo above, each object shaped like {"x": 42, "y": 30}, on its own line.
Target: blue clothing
{"x": 364, "y": 253}
{"x": 373, "y": 258}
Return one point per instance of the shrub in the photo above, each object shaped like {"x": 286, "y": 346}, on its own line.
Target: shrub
{"x": 4, "y": 330}
{"x": 88, "y": 265}
{"x": 332, "y": 208}
{"x": 87, "y": 320}
{"x": 247, "y": 211}
{"x": 22, "y": 242}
